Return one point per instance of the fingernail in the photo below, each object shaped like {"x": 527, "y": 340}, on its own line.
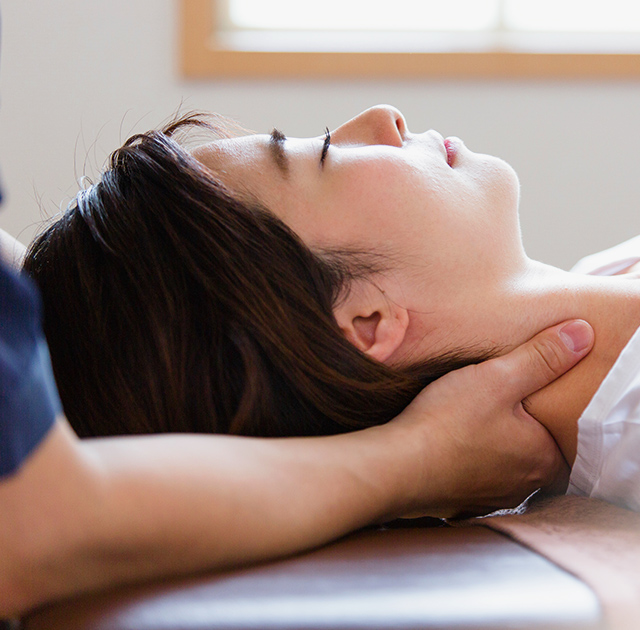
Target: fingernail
{"x": 577, "y": 335}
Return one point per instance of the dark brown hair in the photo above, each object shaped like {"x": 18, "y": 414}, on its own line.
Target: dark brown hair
{"x": 171, "y": 305}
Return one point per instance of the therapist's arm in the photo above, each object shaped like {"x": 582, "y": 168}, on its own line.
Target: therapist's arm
{"x": 82, "y": 515}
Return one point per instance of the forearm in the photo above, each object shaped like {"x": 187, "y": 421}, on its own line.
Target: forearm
{"x": 241, "y": 500}
{"x": 129, "y": 509}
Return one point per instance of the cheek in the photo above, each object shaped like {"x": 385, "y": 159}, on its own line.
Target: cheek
{"x": 370, "y": 211}
{"x": 475, "y": 220}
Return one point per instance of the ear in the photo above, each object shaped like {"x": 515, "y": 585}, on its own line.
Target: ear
{"x": 371, "y": 321}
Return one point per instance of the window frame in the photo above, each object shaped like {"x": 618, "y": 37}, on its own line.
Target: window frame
{"x": 203, "y": 56}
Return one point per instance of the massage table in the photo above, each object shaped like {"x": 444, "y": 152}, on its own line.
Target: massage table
{"x": 492, "y": 573}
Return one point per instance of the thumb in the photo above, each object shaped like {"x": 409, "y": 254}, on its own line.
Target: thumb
{"x": 546, "y": 357}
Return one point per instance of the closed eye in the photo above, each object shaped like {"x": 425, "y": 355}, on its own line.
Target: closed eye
{"x": 325, "y": 146}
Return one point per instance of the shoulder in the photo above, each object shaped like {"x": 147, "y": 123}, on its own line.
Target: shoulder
{"x": 12, "y": 251}
{"x": 610, "y": 261}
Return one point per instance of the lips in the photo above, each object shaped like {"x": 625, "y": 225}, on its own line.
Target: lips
{"x": 450, "y": 144}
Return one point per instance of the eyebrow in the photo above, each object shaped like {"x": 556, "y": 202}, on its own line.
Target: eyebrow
{"x": 276, "y": 149}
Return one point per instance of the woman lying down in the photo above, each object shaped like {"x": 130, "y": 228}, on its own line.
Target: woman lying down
{"x": 273, "y": 286}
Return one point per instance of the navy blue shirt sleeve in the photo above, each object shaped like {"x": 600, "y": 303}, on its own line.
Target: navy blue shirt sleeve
{"x": 29, "y": 400}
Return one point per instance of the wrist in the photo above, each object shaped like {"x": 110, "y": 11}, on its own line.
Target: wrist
{"x": 411, "y": 474}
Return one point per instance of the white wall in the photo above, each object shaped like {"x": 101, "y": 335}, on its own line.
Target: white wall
{"x": 78, "y": 76}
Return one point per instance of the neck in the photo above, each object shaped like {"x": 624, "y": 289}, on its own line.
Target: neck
{"x": 544, "y": 296}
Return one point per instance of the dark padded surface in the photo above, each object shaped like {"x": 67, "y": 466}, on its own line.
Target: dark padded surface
{"x": 377, "y": 579}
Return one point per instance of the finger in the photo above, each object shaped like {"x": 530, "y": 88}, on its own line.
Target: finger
{"x": 545, "y": 357}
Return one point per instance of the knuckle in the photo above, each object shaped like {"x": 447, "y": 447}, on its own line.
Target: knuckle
{"x": 490, "y": 371}
{"x": 498, "y": 377}
{"x": 500, "y": 372}
{"x": 549, "y": 356}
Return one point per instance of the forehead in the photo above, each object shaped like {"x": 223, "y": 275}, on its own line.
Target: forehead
{"x": 220, "y": 155}
{"x": 251, "y": 166}
{"x": 237, "y": 162}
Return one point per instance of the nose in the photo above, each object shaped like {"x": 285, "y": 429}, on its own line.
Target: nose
{"x": 381, "y": 124}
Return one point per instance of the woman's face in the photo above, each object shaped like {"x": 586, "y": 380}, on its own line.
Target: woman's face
{"x": 446, "y": 216}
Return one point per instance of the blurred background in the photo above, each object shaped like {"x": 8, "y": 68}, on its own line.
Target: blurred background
{"x": 78, "y": 76}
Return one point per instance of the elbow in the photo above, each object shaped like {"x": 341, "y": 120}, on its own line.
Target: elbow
{"x": 19, "y": 577}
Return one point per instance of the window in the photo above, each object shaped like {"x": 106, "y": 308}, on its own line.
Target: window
{"x": 456, "y": 38}
{"x": 433, "y": 15}
{"x": 359, "y": 15}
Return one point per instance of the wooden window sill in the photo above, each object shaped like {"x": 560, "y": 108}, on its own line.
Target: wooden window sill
{"x": 205, "y": 56}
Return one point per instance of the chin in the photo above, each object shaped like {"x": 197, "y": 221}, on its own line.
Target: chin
{"x": 513, "y": 182}
{"x": 506, "y": 183}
